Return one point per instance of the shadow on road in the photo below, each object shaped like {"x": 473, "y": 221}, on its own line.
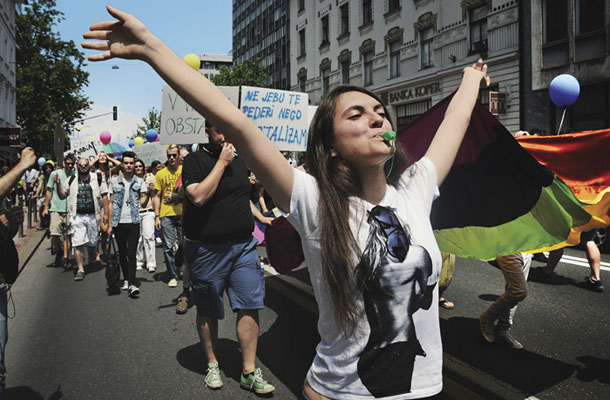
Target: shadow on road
{"x": 228, "y": 353}
{"x": 287, "y": 348}
{"x": 27, "y": 393}
{"x": 522, "y": 369}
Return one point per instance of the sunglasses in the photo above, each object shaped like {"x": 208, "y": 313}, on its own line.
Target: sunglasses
{"x": 398, "y": 241}
{"x": 172, "y": 155}
{"x": 139, "y": 166}
{"x": 69, "y": 164}
{"x": 83, "y": 165}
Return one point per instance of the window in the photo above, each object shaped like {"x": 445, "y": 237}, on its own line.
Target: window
{"x": 325, "y": 39}
{"x": 395, "y": 58}
{"x": 302, "y": 42}
{"x": 302, "y": 80}
{"x": 368, "y": 68}
{"x": 344, "y": 25}
{"x": 591, "y": 16}
{"x": 478, "y": 29}
{"x": 555, "y": 18}
{"x": 301, "y": 5}
{"x": 367, "y": 12}
{"x": 425, "y": 37}
{"x": 393, "y": 5}
{"x": 408, "y": 113}
{"x": 325, "y": 80}
{"x": 345, "y": 72}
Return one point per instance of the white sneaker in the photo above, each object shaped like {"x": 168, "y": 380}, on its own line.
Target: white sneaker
{"x": 158, "y": 241}
{"x": 125, "y": 285}
{"x": 133, "y": 291}
{"x": 152, "y": 269}
{"x": 139, "y": 268}
{"x": 172, "y": 283}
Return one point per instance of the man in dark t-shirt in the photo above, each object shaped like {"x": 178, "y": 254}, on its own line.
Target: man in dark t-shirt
{"x": 221, "y": 253}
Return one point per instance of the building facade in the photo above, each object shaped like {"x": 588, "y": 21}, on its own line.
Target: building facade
{"x": 410, "y": 52}
{"x": 260, "y": 30}
{"x": 566, "y": 37}
{"x": 8, "y": 66}
{"x": 8, "y": 70}
{"x": 210, "y": 64}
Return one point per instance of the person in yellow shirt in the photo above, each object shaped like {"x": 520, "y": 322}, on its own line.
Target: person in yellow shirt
{"x": 167, "y": 205}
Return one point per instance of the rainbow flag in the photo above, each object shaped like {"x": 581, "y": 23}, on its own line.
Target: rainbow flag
{"x": 498, "y": 199}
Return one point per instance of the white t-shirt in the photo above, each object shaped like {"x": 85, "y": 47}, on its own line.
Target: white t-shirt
{"x": 396, "y": 352}
{"x": 126, "y": 209}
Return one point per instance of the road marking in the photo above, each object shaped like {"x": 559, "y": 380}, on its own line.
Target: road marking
{"x": 582, "y": 262}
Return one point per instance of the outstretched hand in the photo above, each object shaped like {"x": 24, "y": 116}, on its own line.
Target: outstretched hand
{"x": 480, "y": 69}
{"x": 126, "y": 37}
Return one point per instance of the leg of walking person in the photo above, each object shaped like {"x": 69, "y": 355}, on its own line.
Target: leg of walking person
{"x": 121, "y": 233}
{"x": 518, "y": 288}
{"x": 168, "y": 237}
{"x": 133, "y": 234}
{"x": 593, "y": 282}
{"x": 148, "y": 238}
{"x": 140, "y": 254}
{"x": 179, "y": 257}
{"x": 515, "y": 291}
{"x": 444, "y": 280}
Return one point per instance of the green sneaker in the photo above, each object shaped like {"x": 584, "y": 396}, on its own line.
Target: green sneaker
{"x": 254, "y": 381}
{"x": 213, "y": 379}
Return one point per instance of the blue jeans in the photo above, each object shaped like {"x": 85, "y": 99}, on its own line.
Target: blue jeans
{"x": 3, "y": 336}
{"x": 171, "y": 232}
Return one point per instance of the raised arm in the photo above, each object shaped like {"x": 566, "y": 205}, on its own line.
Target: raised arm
{"x": 128, "y": 38}
{"x": 448, "y": 137}
{"x": 28, "y": 158}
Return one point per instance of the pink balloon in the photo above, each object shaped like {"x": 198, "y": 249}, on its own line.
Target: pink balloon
{"x": 158, "y": 138}
{"x": 105, "y": 137}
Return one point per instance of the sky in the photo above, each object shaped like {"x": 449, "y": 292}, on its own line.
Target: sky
{"x": 186, "y": 26}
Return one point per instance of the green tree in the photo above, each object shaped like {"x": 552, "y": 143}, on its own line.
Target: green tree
{"x": 50, "y": 78}
{"x": 252, "y": 73}
{"x": 151, "y": 121}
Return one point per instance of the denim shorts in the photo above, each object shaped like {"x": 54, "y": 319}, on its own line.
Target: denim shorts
{"x": 216, "y": 267}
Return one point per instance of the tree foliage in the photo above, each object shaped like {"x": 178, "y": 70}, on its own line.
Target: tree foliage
{"x": 151, "y": 121}
{"x": 50, "y": 78}
{"x": 252, "y": 73}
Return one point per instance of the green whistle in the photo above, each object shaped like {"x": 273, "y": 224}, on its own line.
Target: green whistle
{"x": 388, "y": 135}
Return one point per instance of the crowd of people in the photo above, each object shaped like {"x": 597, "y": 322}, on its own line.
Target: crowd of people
{"x": 361, "y": 208}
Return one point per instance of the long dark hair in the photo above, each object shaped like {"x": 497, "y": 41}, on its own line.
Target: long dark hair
{"x": 337, "y": 181}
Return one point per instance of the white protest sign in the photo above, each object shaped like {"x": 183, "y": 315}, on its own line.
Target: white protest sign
{"x": 180, "y": 124}
{"x": 149, "y": 152}
{"x": 85, "y": 148}
{"x": 281, "y": 115}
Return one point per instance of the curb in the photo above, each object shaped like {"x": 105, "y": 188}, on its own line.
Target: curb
{"x": 27, "y": 246}
{"x": 460, "y": 380}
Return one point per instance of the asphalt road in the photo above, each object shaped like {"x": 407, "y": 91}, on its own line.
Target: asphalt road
{"x": 564, "y": 330}
{"x": 70, "y": 340}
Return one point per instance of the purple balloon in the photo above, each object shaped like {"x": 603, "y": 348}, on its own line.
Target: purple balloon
{"x": 564, "y": 90}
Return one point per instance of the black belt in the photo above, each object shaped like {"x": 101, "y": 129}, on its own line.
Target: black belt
{"x": 221, "y": 240}
{"x": 147, "y": 210}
